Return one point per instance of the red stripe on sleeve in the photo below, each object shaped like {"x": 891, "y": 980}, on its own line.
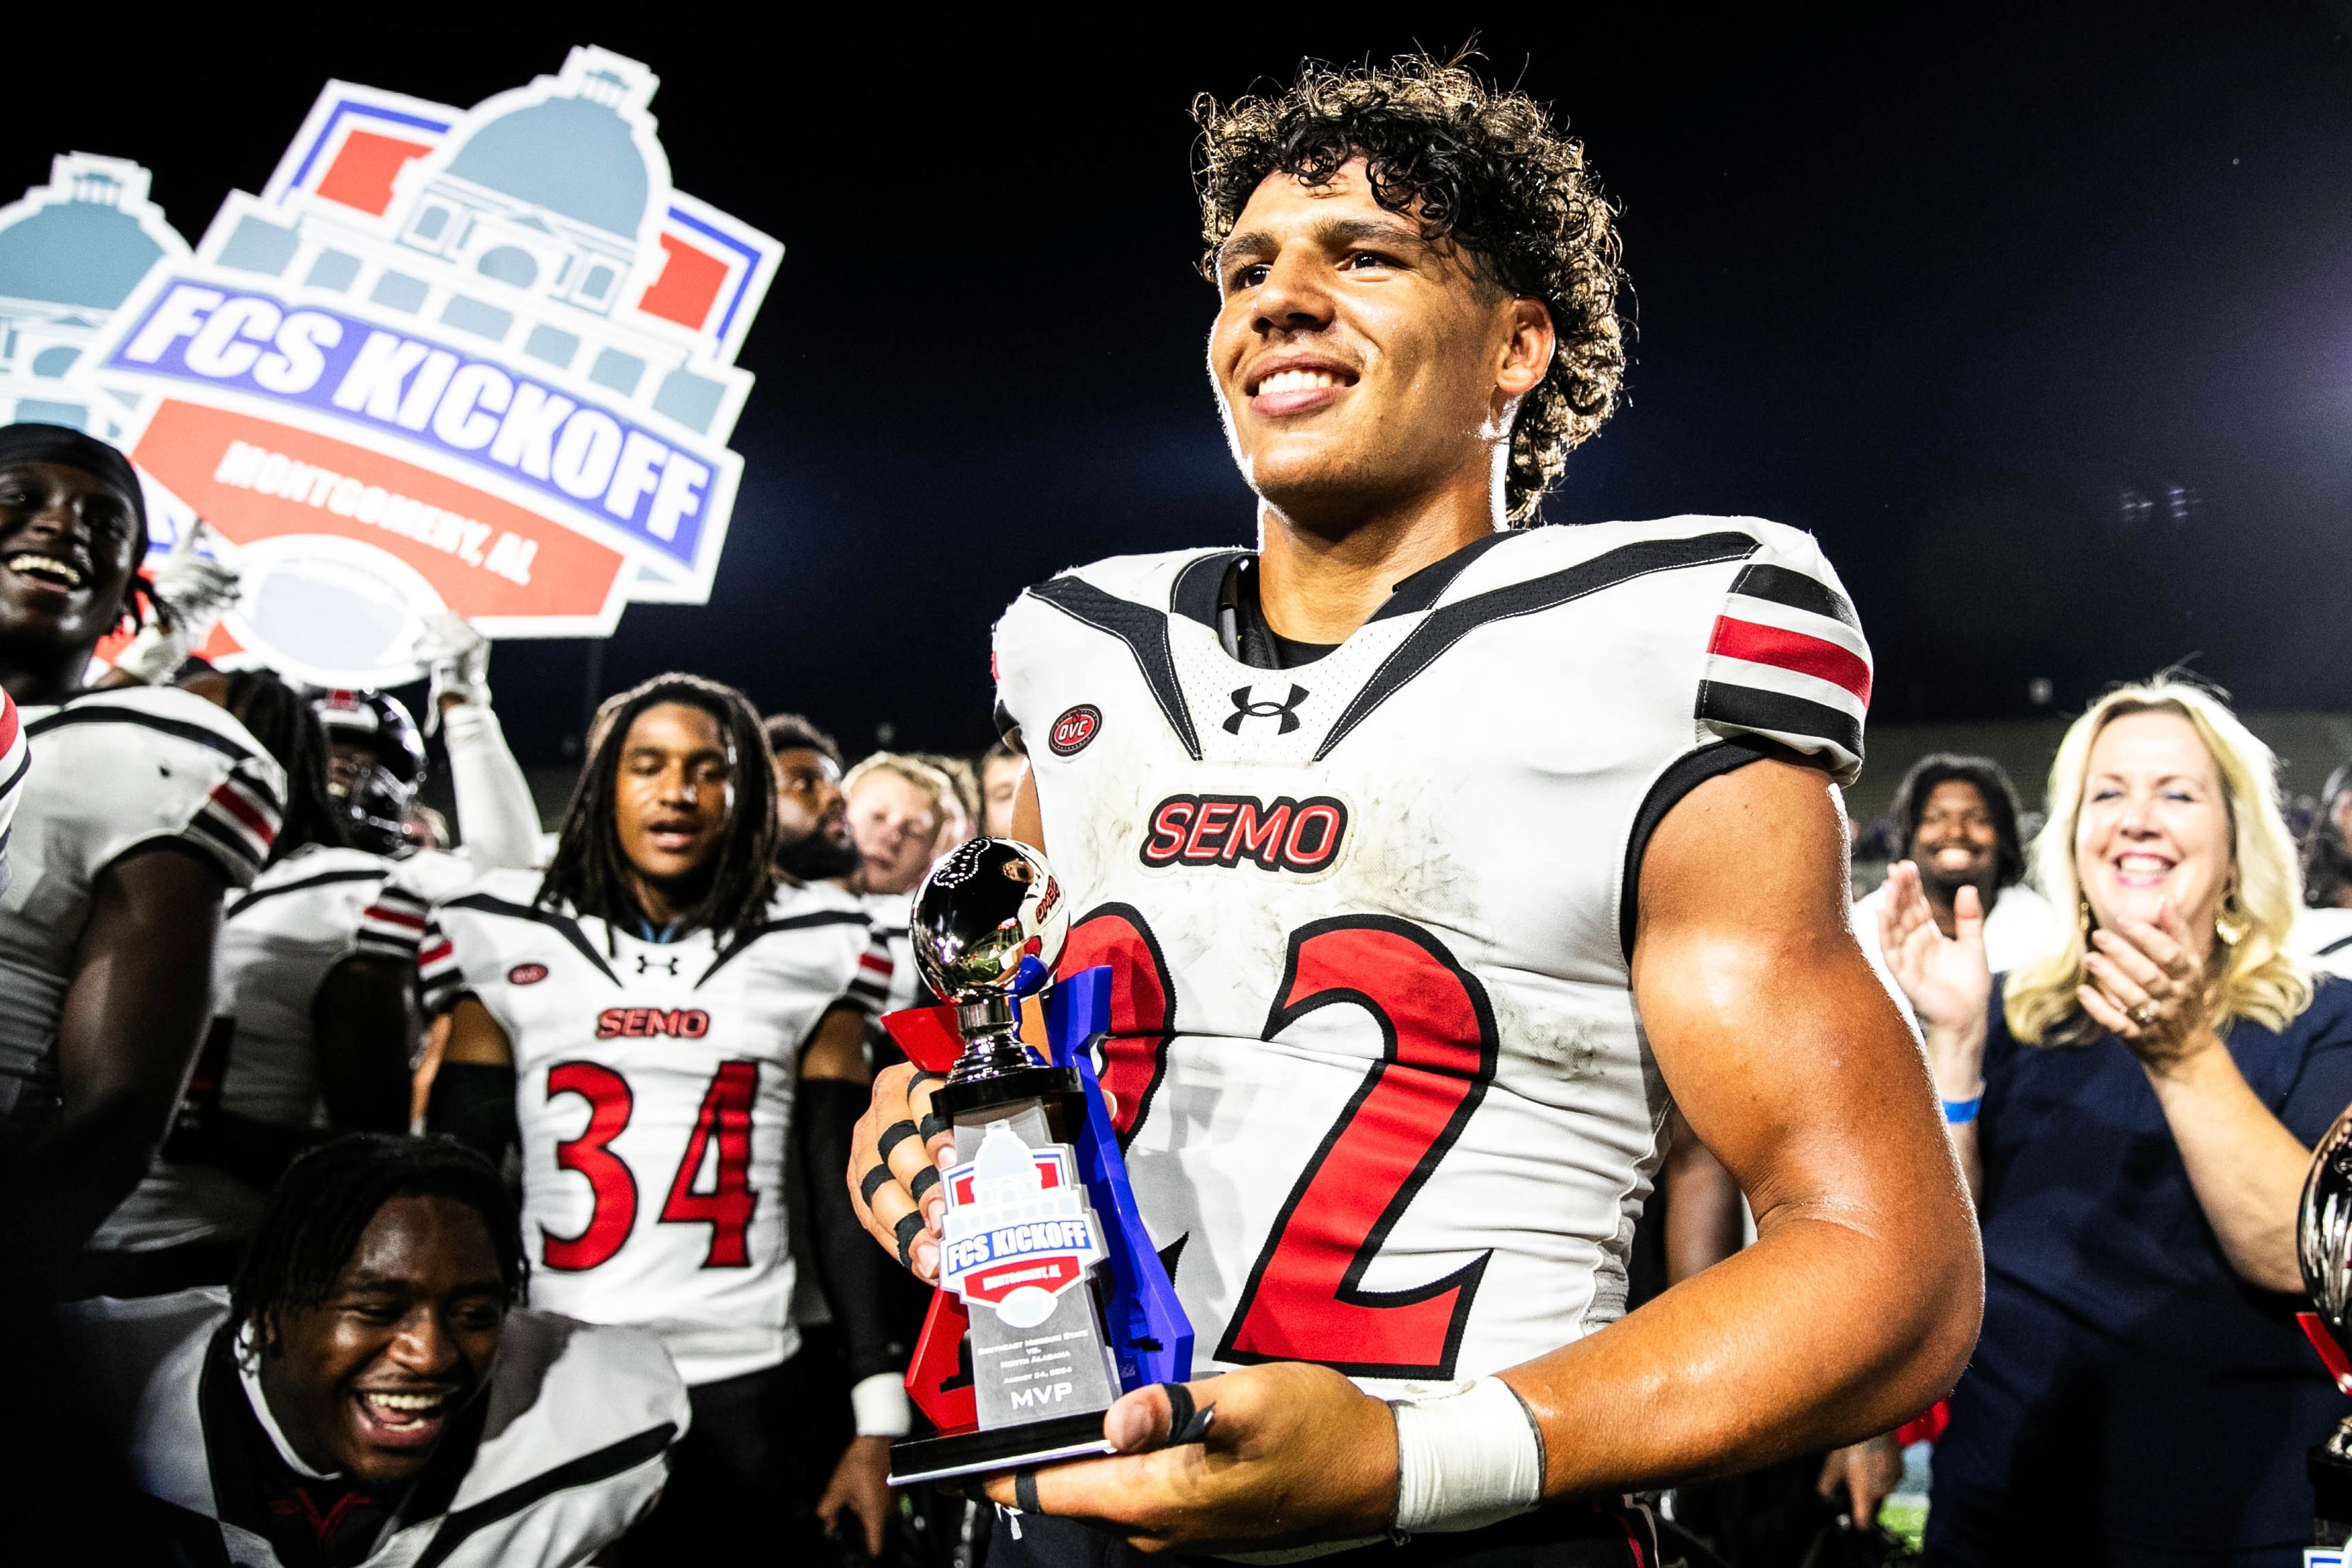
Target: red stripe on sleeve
{"x": 1785, "y": 649}
{"x": 434, "y": 955}
{"x": 7, "y": 722}
{"x": 394, "y": 918}
{"x": 256, "y": 823}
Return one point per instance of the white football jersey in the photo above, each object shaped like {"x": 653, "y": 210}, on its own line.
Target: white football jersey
{"x": 574, "y": 1447}
{"x": 1386, "y": 1096}
{"x": 654, "y": 1088}
{"x": 279, "y": 939}
{"x": 118, "y": 770}
{"x": 890, "y": 913}
{"x": 2323, "y": 936}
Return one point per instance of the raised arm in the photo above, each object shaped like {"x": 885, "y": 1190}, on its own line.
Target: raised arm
{"x": 134, "y": 1014}
{"x": 2246, "y": 1165}
{"x": 1950, "y": 984}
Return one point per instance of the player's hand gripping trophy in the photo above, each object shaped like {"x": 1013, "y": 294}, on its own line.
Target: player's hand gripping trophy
{"x": 1051, "y": 1301}
{"x": 2324, "y": 1239}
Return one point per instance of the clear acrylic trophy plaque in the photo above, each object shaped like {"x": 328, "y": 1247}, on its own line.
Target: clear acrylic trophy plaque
{"x": 1051, "y": 1303}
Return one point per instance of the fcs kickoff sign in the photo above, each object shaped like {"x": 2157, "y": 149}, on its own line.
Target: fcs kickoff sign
{"x": 478, "y": 359}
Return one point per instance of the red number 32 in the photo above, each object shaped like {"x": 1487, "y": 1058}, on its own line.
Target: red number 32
{"x": 727, "y": 1207}
{"x": 1305, "y": 1299}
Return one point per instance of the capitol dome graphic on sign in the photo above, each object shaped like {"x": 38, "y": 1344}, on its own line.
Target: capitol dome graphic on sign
{"x": 70, "y": 253}
{"x": 486, "y": 354}
{"x": 549, "y": 196}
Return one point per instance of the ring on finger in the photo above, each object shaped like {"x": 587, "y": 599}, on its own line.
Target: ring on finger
{"x": 2144, "y": 1014}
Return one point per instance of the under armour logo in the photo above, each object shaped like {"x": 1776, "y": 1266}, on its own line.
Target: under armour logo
{"x": 645, "y": 964}
{"x": 1245, "y": 708}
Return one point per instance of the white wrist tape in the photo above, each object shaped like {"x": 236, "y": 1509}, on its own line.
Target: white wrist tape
{"x": 879, "y": 1405}
{"x": 1465, "y": 1460}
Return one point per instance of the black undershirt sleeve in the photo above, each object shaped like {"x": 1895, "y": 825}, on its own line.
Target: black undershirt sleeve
{"x": 474, "y": 1102}
{"x": 853, "y": 1272}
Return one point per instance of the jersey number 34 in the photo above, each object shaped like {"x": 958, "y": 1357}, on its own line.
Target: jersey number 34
{"x": 727, "y": 1208}
{"x": 1305, "y": 1299}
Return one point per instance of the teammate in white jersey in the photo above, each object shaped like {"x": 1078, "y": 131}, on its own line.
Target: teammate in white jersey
{"x": 153, "y": 804}
{"x": 368, "y": 1394}
{"x": 649, "y": 1022}
{"x": 312, "y": 1026}
{"x": 1435, "y": 855}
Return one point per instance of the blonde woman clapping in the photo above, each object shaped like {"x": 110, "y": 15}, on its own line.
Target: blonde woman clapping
{"x": 2134, "y": 1112}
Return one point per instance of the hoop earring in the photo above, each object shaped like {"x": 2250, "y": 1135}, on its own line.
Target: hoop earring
{"x": 2230, "y": 922}
{"x": 2082, "y": 919}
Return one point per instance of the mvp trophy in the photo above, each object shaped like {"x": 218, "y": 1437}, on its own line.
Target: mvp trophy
{"x": 2324, "y": 1239}
{"x": 1051, "y": 1303}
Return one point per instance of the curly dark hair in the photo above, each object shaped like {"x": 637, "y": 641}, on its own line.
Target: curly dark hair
{"x": 1482, "y": 168}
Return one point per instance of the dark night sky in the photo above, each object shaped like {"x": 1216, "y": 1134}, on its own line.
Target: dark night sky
{"x": 1946, "y": 290}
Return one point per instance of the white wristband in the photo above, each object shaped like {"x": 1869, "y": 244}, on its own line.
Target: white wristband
{"x": 879, "y": 1405}
{"x": 1466, "y": 1460}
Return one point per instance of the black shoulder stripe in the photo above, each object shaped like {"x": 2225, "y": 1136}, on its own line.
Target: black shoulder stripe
{"x": 1446, "y": 627}
{"x": 564, "y": 925}
{"x": 1144, "y": 630}
{"x": 1684, "y": 775}
{"x": 738, "y": 945}
{"x": 180, "y": 728}
{"x": 1194, "y": 596}
{"x": 1421, "y": 589}
{"x": 1753, "y": 708}
{"x": 323, "y": 878}
{"x": 586, "y": 1471}
{"x": 24, "y": 764}
{"x": 2338, "y": 945}
{"x": 236, "y": 855}
{"x": 1762, "y": 579}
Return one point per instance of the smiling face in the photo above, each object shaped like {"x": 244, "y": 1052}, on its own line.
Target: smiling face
{"x": 672, "y": 800}
{"x": 2155, "y": 823}
{"x": 1956, "y": 845}
{"x": 366, "y": 1383}
{"x": 1359, "y": 364}
{"x": 69, "y": 542}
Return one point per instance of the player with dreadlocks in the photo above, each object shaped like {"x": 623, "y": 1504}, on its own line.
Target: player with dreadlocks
{"x": 313, "y": 1023}
{"x": 147, "y": 806}
{"x": 368, "y": 1389}
{"x": 658, "y": 1024}
{"x": 1438, "y": 851}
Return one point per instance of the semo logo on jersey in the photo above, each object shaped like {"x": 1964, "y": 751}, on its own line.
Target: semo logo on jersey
{"x": 651, "y": 1023}
{"x": 1227, "y": 830}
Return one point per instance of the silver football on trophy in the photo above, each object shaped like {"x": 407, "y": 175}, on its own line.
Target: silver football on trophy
{"x": 989, "y": 922}
{"x": 2324, "y": 1225}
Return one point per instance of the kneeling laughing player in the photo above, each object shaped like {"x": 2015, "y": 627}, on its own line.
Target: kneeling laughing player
{"x": 1438, "y": 854}
{"x": 367, "y": 1393}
